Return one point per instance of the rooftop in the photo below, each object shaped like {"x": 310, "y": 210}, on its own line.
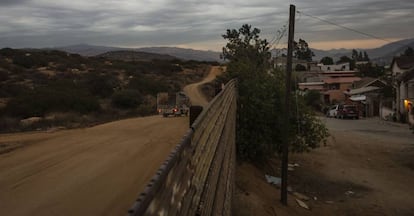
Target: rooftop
{"x": 362, "y": 90}
{"x": 341, "y": 80}
{"x": 404, "y": 62}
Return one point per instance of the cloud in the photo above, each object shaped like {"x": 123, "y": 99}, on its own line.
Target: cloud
{"x": 12, "y": 2}
{"x": 39, "y": 23}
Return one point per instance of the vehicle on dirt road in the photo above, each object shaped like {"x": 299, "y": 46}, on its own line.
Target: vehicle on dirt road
{"x": 347, "y": 111}
{"x": 172, "y": 104}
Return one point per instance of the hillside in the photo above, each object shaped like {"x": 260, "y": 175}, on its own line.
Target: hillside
{"x": 87, "y": 50}
{"x": 127, "y": 55}
{"x": 383, "y": 54}
{"x": 181, "y": 53}
{"x": 186, "y": 54}
{"x": 41, "y": 89}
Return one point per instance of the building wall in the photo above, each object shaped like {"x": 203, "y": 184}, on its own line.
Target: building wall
{"x": 402, "y": 96}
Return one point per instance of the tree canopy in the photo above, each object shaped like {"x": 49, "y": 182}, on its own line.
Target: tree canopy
{"x": 260, "y": 102}
{"x": 327, "y": 60}
{"x": 408, "y": 52}
{"x": 359, "y": 56}
{"x": 302, "y": 51}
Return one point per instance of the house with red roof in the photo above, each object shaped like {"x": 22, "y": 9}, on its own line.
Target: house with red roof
{"x": 331, "y": 83}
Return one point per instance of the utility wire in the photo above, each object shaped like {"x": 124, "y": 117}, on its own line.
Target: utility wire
{"x": 279, "y": 35}
{"x": 350, "y": 29}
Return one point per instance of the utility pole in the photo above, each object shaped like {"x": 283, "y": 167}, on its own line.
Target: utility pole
{"x": 285, "y": 146}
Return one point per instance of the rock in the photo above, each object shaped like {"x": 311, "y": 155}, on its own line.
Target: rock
{"x": 349, "y": 193}
{"x": 329, "y": 202}
{"x": 301, "y": 196}
{"x": 30, "y": 121}
{"x": 273, "y": 180}
{"x": 289, "y": 189}
{"x": 315, "y": 198}
{"x": 293, "y": 165}
{"x": 302, "y": 204}
{"x": 291, "y": 169}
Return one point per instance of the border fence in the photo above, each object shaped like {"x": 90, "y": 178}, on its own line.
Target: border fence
{"x": 197, "y": 177}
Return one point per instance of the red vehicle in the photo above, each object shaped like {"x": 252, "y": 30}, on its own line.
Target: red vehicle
{"x": 348, "y": 111}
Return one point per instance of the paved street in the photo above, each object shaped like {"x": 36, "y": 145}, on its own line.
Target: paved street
{"x": 373, "y": 127}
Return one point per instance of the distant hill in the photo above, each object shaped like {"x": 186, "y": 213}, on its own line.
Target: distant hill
{"x": 383, "y": 54}
{"x": 88, "y": 50}
{"x": 186, "y": 54}
{"x": 181, "y": 53}
{"x": 128, "y": 55}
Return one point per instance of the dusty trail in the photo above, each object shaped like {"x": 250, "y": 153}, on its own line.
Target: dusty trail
{"x": 192, "y": 90}
{"x": 92, "y": 171}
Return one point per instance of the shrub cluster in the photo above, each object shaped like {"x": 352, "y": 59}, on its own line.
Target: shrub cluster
{"x": 58, "y": 96}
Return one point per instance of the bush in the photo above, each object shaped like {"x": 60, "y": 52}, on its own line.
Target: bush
{"x": 4, "y": 75}
{"x": 8, "y": 124}
{"x": 147, "y": 85}
{"x": 146, "y": 110}
{"x": 300, "y": 67}
{"x": 100, "y": 85}
{"x": 313, "y": 99}
{"x": 127, "y": 99}
{"x": 58, "y": 96}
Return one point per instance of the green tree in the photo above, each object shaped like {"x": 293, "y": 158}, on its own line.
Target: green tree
{"x": 366, "y": 58}
{"x": 327, "y": 60}
{"x": 354, "y": 55}
{"x": 345, "y": 59}
{"x": 368, "y": 70}
{"x": 300, "y": 67}
{"x": 313, "y": 99}
{"x": 302, "y": 50}
{"x": 408, "y": 52}
{"x": 261, "y": 94}
{"x": 360, "y": 57}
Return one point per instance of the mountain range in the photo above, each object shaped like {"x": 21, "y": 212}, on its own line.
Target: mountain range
{"x": 181, "y": 53}
{"x": 382, "y": 55}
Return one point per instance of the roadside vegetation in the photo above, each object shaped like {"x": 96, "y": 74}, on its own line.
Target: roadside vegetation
{"x": 261, "y": 96}
{"x": 43, "y": 89}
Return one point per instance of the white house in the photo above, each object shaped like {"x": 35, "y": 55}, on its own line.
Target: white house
{"x": 403, "y": 72}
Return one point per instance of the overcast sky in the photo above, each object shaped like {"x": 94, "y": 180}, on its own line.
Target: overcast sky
{"x": 198, "y": 24}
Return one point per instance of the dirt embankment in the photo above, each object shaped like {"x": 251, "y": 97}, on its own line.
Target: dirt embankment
{"x": 93, "y": 171}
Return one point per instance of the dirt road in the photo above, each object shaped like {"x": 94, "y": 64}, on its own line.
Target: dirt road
{"x": 193, "y": 91}
{"x": 92, "y": 171}
{"x": 367, "y": 168}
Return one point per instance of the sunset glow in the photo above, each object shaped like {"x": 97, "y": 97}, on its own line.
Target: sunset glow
{"x": 351, "y": 44}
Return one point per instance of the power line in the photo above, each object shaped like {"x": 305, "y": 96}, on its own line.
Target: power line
{"x": 350, "y": 29}
{"x": 281, "y": 33}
